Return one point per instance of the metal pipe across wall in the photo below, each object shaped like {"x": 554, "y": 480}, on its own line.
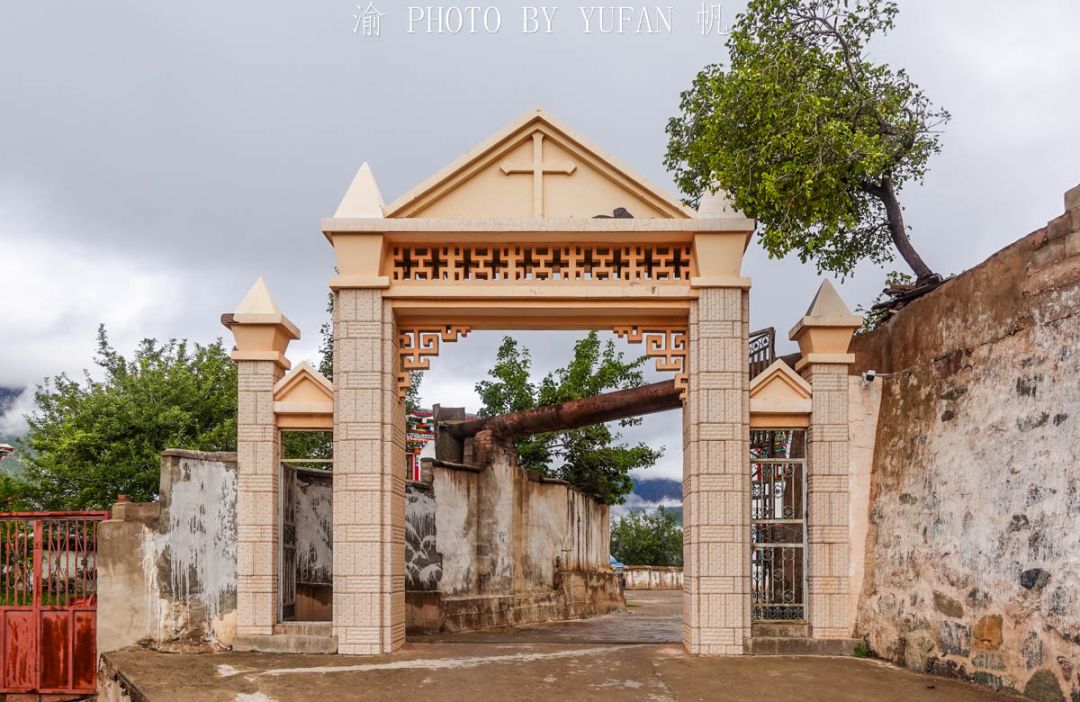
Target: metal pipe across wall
{"x": 632, "y": 402}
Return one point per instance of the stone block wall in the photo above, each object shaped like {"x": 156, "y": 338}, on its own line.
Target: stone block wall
{"x": 369, "y": 483}
{"x": 973, "y": 552}
{"x": 828, "y": 602}
{"x": 716, "y": 485}
{"x": 258, "y": 452}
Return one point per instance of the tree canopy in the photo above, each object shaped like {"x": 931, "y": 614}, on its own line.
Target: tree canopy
{"x": 93, "y": 439}
{"x": 808, "y": 135}
{"x": 593, "y": 458}
{"x": 647, "y": 538}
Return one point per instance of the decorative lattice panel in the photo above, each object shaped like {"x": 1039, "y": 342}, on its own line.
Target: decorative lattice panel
{"x": 416, "y": 346}
{"x": 537, "y": 262}
{"x": 666, "y": 344}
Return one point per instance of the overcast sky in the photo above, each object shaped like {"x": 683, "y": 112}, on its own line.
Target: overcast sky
{"x": 155, "y": 157}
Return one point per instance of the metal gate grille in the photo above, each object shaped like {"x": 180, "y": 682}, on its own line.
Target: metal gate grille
{"x": 48, "y": 601}
{"x": 778, "y": 524}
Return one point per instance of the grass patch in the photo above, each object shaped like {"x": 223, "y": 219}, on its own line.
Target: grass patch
{"x": 862, "y": 650}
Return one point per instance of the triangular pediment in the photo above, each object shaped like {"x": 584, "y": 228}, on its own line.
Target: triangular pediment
{"x": 779, "y": 390}
{"x": 304, "y": 384}
{"x": 536, "y": 167}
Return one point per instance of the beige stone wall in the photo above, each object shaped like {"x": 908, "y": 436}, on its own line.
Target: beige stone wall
{"x": 258, "y": 454}
{"x": 828, "y": 606}
{"x": 369, "y": 482}
{"x": 716, "y": 485}
{"x": 973, "y": 554}
{"x": 864, "y": 401}
{"x": 653, "y": 577}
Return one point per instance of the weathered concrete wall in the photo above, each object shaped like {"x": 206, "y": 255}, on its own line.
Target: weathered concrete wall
{"x": 653, "y": 577}
{"x": 500, "y": 546}
{"x": 124, "y": 604}
{"x": 973, "y": 551}
{"x": 167, "y": 570}
{"x": 458, "y": 493}
{"x": 313, "y": 515}
{"x": 423, "y": 562}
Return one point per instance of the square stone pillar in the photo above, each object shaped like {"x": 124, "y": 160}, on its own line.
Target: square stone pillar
{"x": 829, "y": 610}
{"x": 369, "y": 477}
{"x": 716, "y": 475}
{"x": 824, "y": 335}
{"x": 262, "y": 336}
{"x": 258, "y": 472}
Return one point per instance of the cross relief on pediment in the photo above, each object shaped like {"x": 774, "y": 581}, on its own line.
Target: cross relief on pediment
{"x": 538, "y": 168}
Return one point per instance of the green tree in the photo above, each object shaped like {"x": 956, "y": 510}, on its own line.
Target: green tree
{"x": 592, "y": 458}
{"x": 89, "y": 441}
{"x": 809, "y": 136}
{"x": 647, "y": 538}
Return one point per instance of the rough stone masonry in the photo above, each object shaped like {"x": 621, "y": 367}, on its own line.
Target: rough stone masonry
{"x": 973, "y": 556}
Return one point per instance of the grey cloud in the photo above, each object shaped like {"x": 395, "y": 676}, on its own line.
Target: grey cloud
{"x": 206, "y": 140}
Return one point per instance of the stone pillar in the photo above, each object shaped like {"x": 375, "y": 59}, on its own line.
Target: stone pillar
{"x": 369, "y": 477}
{"x": 716, "y": 475}
{"x": 262, "y": 336}
{"x": 824, "y": 335}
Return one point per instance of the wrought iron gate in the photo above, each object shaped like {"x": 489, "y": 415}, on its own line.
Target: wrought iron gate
{"x": 48, "y": 601}
{"x": 778, "y": 524}
{"x": 761, "y": 349}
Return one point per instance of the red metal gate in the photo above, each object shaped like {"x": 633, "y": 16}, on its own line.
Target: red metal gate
{"x": 48, "y": 601}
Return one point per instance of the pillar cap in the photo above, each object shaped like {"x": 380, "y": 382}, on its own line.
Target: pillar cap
{"x": 362, "y": 200}
{"x": 261, "y": 331}
{"x": 824, "y": 333}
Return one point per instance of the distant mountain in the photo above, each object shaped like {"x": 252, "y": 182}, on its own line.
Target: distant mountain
{"x": 650, "y": 493}
{"x": 658, "y": 489}
{"x": 8, "y": 397}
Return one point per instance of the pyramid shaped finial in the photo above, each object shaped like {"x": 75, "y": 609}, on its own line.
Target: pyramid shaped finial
{"x": 824, "y": 332}
{"x": 827, "y": 303}
{"x": 362, "y": 200}
{"x": 717, "y": 205}
{"x": 258, "y": 300}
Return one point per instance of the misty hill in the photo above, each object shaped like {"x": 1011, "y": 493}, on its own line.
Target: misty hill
{"x": 8, "y": 397}
{"x": 657, "y": 489}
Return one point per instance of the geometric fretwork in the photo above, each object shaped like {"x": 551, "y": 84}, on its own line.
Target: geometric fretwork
{"x": 542, "y": 262}
{"x": 666, "y": 344}
{"x": 416, "y": 346}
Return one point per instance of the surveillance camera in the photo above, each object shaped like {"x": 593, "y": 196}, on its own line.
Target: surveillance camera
{"x": 869, "y": 375}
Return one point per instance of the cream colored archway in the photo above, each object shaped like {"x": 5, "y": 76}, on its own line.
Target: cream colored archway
{"x": 530, "y": 231}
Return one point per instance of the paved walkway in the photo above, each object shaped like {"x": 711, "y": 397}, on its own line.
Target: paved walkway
{"x": 572, "y": 661}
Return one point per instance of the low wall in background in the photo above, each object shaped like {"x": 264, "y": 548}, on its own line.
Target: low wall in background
{"x": 499, "y": 546}
{"x": 652, "y": 577}
{"x": 972, "y": 566}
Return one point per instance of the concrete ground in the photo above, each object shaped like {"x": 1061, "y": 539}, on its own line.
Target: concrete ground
{"x": 589, "y": 660}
